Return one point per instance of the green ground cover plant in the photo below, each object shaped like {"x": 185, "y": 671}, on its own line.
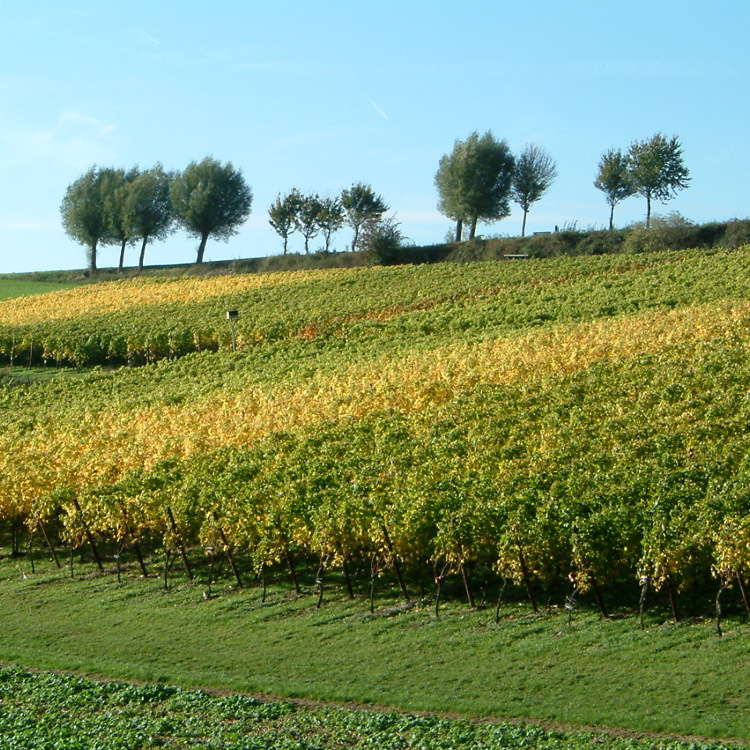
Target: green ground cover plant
{"x": 65, "y": 712}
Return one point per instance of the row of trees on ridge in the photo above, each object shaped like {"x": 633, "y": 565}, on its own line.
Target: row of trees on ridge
{"x": 108, "y": 206}
{"x": 475, "y": 182}
{"x": 358, "y": 206}
{"x": 479, "y": 178}
{"x": 114, "y": 206}
{"x": 653, "y": 169}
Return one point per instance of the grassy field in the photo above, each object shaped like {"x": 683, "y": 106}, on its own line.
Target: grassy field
{"x": 10, "y": 287}
{"x": 680, "y": 680}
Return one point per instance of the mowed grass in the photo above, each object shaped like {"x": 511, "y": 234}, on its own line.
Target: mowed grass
{"x": 677, "y": 679}
{"x": 10, "y": 287}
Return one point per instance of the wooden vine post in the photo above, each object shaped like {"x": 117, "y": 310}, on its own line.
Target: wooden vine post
{"x": 89, "y": 535}
{"x": 228, "y": 550}
{"x": 50, "y": 547}
{"x": 136, "y": 544}
{"x": 180, "y": 544}
{"x": 394, "y": 561}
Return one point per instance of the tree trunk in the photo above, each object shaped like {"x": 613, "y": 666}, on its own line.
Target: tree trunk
{"x": 523, "y": 225}
{"x": 598, "y": 595}
{"x": 500, "y": 600}
{"x": 121, "y": 264}
{"x": 15, "y": 537}
{"x": 168, "y": 560}
{"x": 459, "y": 230}
{"x": 527, "y": 578}
{"x": 29, "y": 554}
{"x": 743, "y": 591}
{"x": 673, "y": 601}
{"x": 117, "y": 565}
{"x": 319, "y": 583}
{"x": 467, "y": 585}
{"x": 89, "y": 537}
{"x": 143, "y": 253}
{"x": 292, "y": 571}
{"x": 347, "y": 579}
{"x": 394, "y": 562}
{"x": 92, "y": 258}
{"x": 141, "y": 561}
{"x": 228, "y": 553}
{"x": 648, "y": 210}
{"x": 373, "y": 575}
{"x": 473, "y": 228}
{"x": 202, "y": 248}
{"x": 722, "y": 589}
{"x": 183, "y": 552}
{"x": 136, "y": 545}
{"x": 612, "y": 217}
{"x": 49, "y": 545}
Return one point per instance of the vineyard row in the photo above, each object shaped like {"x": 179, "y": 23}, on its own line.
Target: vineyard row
{"x": 631, "y": 470}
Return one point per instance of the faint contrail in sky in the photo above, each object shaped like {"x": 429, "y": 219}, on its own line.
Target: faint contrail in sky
{"x": 147, "y": 36}
{"x": 378, "y": 108}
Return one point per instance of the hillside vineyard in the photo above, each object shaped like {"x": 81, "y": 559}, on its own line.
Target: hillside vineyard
{"x": 576, "y": 419}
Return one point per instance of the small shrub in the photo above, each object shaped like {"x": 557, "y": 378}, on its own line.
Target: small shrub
{"x": 671, "y": 232}
{"x": 383, "y": 242}
{"x": 551, "y": 244}
{"x": 736, "y": 234}
{"x": 601, "y": 242}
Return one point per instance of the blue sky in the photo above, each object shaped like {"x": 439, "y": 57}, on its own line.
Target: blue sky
{"x": 321, "y": 94}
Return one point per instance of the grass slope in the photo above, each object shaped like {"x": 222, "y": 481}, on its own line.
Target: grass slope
{"x": 676, "y": 679}
{"x": 11, "y": 288}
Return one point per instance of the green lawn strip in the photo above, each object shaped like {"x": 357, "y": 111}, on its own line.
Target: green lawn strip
{"x": 10, "y": 288}
{"x": 681, "y": 680}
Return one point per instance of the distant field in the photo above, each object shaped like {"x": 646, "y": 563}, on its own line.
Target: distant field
{"x": 10, "y": 288}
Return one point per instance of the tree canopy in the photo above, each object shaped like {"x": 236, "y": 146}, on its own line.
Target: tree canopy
{"x": 307, "y": 218}
{"x": 116, "y": 188}
{"x": 282, "y": 215}
{"x": 614, "y": 179}
{"x": 84, "y": 210}
{"x": 534, "y": 173}
{"x": 148, "y": 207}
{"x": 657, "y": 169}
{"x": 474, "y": 181}
{"x": 361, "y": 205}
{"x": 210, "y": 199}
